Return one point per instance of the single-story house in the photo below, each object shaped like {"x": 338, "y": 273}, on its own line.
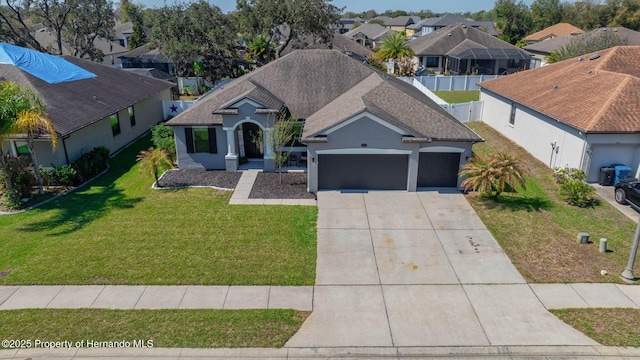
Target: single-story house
{"x": 338, "y": 42}
{"x": 541, "y": 50}
{"x": 89, "y": 104}
{"x": 553, "y": 31}
{"x": 368, "y": 35}
{"x": 462, "y": 49}
{"x": 361, "y": 129}
{"x": 581, "y": 113}
{"x": 111, "y": 50}
{"x": 398, "y": 23}
{"x": 429, "y": 25}
{"x": 145, "y": 57}
{"x": 346, "y": 24}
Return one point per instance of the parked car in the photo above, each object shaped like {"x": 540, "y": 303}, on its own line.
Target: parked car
{"x": 628, "y": 191}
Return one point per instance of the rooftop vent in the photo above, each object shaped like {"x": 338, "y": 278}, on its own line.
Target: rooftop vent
{"x": 594, "y": 56}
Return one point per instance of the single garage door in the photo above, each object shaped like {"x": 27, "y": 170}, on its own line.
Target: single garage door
{"x": 437, "y": 169}
{"x": 366, "y": 172}
{"x": 605, "y": 155}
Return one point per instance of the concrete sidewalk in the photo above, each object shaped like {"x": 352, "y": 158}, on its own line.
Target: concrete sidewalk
{"x": 157, "y": 297}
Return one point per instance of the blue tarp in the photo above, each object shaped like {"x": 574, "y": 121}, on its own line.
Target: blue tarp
{"x": 50, "y": 68}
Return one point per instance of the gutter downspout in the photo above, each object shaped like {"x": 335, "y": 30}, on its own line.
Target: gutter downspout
{"x": 64, "y": 146}
{"x": 584, "y": 152}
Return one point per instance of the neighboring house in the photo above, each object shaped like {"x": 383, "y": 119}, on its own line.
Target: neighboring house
{"x": 462, "y": 49}
{"x": 543, "y": 49}
{"x": 554, "y": 31}
{"x": 89, "y": 104}
{"x": 368, "y": 35}
{"x": 146, "y": 57}
{"x": 582, "y": 113}
{"x": 398, "y": 23}
{"x": 429, "y": 25}
{"x": 122, "y": 33}
{"x": 338, "y": 42}
{"x": 346, "y": 24}
{"x": 362, "y": 128}
{"x": 111, "y": 49}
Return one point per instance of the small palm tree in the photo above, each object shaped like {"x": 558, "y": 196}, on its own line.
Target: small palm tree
{"x": 498, "y": 173}
{"x": 152, "y": 160}
{"x": 396, "y": 46}
{"x": 33, "y": 123}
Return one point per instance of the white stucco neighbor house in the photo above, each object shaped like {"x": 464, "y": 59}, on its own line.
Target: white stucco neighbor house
{"x": 582, "y": 113}
{"x": 361, "y": 129}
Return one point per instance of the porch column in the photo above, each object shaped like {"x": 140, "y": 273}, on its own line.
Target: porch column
{"x": 231, "y": 159}
{"x": 269, "y": 164}
{"x": 268, "y": 139}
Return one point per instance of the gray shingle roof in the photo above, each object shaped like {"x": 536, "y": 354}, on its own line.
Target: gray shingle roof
{"x": 442, "y": 41}
{"x": 326, "y": 87}
{"x": 76, "y": 104}
{"x": 338, "y": 42}
{"x": 551, "y": 45}
{"x": 371, "y": 31}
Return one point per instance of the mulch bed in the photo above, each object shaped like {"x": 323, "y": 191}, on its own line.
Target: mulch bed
{"x": 293, "y": 186}
{"x": 218, "y": 178}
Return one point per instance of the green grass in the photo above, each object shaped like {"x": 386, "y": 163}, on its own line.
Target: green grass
{"x": 164, "y": 328}
{"x": 118, "y": 230}
{"x": 538, "y": 230}
{"x": 609, "y": 327}
{"x": 456, "y": 97}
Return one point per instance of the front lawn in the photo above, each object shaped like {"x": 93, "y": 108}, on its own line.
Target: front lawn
{"x": 538, "y": 230}
{"x": 609, "y": 327}
{"x": 456, "y": 97}
{"x": 201, "y": 328}
{"x": 118, "y": 230}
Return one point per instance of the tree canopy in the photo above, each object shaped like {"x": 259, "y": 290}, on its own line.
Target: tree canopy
{"x": 280, "y": 22}
{"x": 78, "y": 22}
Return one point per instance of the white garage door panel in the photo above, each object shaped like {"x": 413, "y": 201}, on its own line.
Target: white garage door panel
{"x": 605, "y": 155}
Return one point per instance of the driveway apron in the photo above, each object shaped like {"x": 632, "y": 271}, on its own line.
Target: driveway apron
{"x": 418, "y": 269}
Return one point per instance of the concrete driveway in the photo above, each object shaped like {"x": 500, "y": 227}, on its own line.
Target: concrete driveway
{"x": 418, "y": 269}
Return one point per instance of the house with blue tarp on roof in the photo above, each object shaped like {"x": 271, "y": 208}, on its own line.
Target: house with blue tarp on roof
{"x": 89, "y": 104}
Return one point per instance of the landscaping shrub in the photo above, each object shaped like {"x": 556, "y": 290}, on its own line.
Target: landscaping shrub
{"x": 573, "y": 189}
{"x": 64, "y": 175}
{"x": 16, "y": 181}
{"x": 92, "y": 163}
{"x": 493, "y": 175}
{"x": 162, "y": 138}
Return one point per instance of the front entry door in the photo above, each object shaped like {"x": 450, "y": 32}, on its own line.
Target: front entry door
{"x": 252, "y": 141}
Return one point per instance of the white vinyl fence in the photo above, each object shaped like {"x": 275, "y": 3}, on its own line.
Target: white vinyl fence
{"x": 464, "y": 112}
{"x": 454, "y": 83}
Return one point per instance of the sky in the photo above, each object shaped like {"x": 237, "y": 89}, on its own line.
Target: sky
{"x": 437, "y": 6}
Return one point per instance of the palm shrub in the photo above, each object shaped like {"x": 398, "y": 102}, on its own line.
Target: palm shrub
{"x": 573, "y": 189}
{"x": 152, "y": 160}
{"x": 395, "y": 46}
{"x": 494, "y": 174}
{"x": 163, "y": 138}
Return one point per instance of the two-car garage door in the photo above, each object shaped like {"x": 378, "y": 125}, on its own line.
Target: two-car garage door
{"x": 386, "y": 171}
{"x": 366, "y": 172}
